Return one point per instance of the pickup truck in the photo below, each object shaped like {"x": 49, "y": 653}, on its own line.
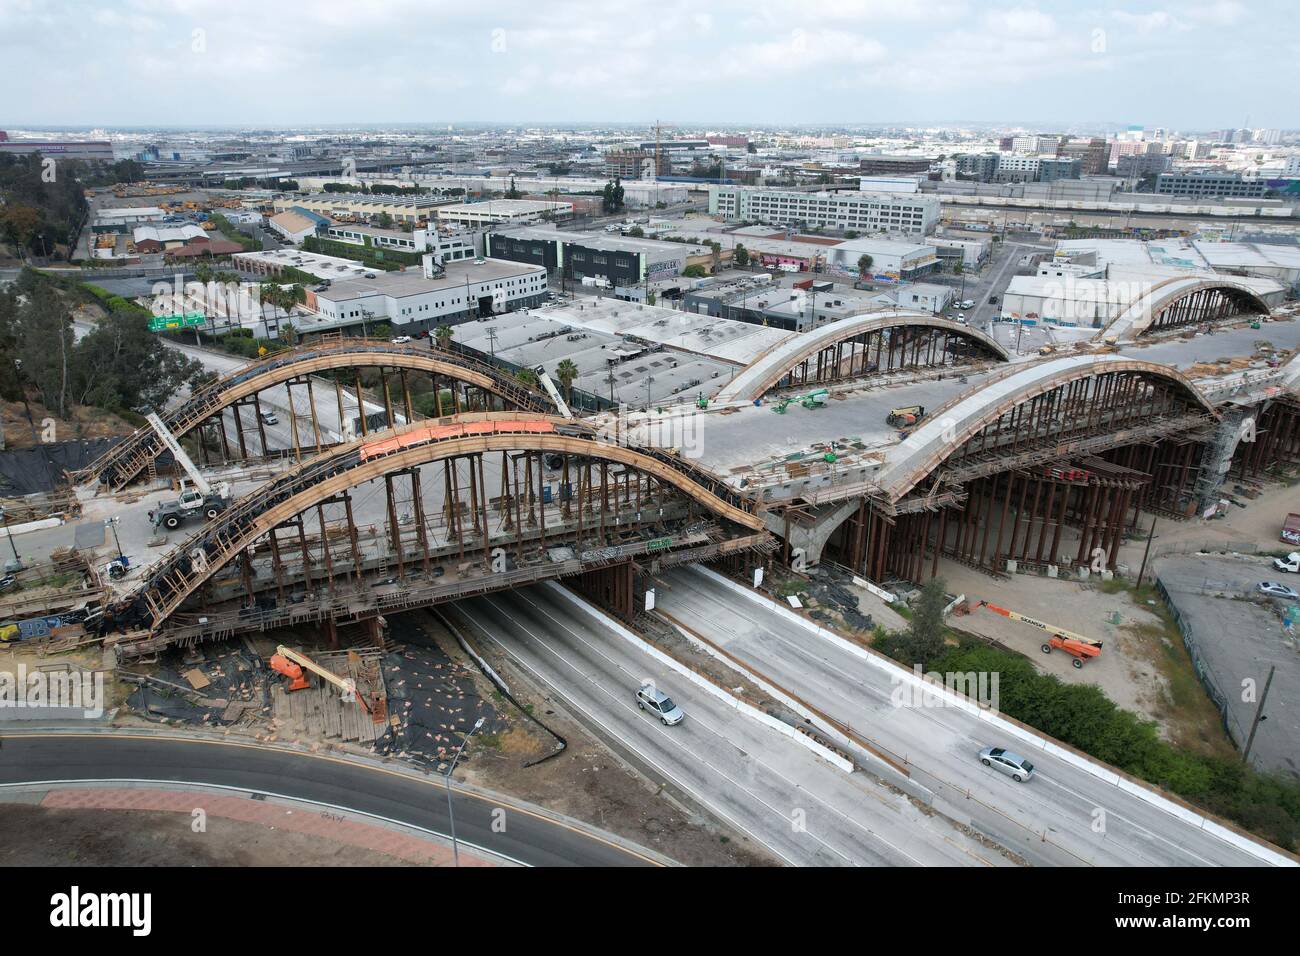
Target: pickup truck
{"x": 1290, "y": 563}
{"x": 171, "y": 514}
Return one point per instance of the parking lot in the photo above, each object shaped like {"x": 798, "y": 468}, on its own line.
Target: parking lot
{"x": 1236, "y": 636}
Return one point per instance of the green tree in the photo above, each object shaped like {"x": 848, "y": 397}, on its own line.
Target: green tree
{"x": 443, "y": 336}
{"x": 612, "y": 196}
{"x": 741, "y": 256}
{"x": 566, "y": 372}
{"x": 527, "y": 376}
{"x": 865, "y": 262}
{"x": 924, "y": 640}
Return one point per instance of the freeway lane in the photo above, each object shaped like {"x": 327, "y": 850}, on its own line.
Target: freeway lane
{"x": 1053, "y": 820}
{"x": 775, "y": 791}
{"x": 529, "y": 837}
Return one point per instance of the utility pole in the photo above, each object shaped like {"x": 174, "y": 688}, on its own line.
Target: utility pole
{"x": 1147, "y": 552}
{"x": 1259, "y": 715}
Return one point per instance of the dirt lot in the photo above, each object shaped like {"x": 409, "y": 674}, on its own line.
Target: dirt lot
{"x": 39, "y": 836}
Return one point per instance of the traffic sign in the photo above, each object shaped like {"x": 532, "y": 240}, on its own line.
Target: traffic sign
{"x": 163, "y": 323}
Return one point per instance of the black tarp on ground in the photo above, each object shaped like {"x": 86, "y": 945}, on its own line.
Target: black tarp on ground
{"x": 434, "y": 699}
{"x": 27, "y": 471}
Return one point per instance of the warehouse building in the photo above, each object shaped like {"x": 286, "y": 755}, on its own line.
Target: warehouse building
{"x": 503, "y": 212}
{"x": 862, "y": 212}
{"x": 1200, "y": 185}
{"x": 891, "y": 260}
{"x": 614, "y": 260}
{"x": 409, "y": 209}
{"x": 415, "y": 303}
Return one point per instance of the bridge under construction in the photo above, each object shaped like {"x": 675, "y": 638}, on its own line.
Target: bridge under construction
{"x": 358, "y": 506}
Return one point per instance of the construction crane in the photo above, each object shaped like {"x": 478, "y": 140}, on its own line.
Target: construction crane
{"x": 1076, "y": 645}
{"x": 552, "y": 391}
{"x": 172, "y": 445}
{"x": 291, "y": 663}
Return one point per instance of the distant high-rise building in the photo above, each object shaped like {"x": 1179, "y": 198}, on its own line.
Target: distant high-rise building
{"x": 1091, "y": 154}
{"x": 636, "y": 164}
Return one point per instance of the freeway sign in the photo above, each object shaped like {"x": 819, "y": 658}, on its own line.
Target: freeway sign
{"x": 161, "y": 323}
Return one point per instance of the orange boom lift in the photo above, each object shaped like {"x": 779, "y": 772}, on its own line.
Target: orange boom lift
{"x": 1076, "y": 645}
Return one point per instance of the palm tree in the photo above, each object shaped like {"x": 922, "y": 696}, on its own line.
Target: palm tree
{"x": 566, "y": 372}
{"x": 442, "y": 335}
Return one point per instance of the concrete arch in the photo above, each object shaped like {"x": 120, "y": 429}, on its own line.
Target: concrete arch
{"x": 768, "y": 369}
{"x": 951, "y": 425}
{"x": 169, "y": 583}
{"x": 1145, "y": 311}
{"x": 124, "y": 461}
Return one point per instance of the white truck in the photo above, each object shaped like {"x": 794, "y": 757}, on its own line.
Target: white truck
{"x": 191, "y": 502}
{"x": 1290, "y": 563}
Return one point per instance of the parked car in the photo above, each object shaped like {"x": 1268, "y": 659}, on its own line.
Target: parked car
{"x": 7, "y": 583}
{"x": 651, "y": 698}
{"x": 269, "y": 418}
{"x": 1273, "y": 589}
{"x": 1013, "y": 765}
{"x": 401, "y": 340}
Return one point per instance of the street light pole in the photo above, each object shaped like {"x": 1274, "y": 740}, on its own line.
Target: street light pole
{"x": 451, "y": 814}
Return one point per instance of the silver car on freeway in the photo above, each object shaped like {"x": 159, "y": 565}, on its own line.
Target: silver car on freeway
{"x": 1013, "y": 765}
{"x": 651, "y": 698}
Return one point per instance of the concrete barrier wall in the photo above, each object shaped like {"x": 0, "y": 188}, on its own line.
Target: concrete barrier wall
{"x": 1026, "y": 734}
{"x": 704, "y": 684}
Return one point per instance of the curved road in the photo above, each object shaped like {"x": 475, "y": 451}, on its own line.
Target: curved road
{"x": 530, "y": 838}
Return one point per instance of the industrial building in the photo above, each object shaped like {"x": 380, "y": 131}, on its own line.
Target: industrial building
{"x": 1204, "y": 185}
{"x": 409, "y": 209}
{"x": 891, "y": 260}
{"x": 297, "y": 224}
{"x": 87, "y": 150}
{"x": 502, "y": 212}
{"x": 862, "y": 212}
{"x": 120, "y": 219}
{"x": 894, "y": 165}
{"x": 614, "y": 260}
{"x": 414, "y": 303}
{"x": 274, "y": 262}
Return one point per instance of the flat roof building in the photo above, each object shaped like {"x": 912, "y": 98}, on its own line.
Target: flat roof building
{"x": 1207, "y": 184}
{"x": 275, "y": 261}
{"x": 618, "y": 260}
{"x": 414, "y": 303}
{"x": 502, "y": 211}
{"x": 412, "y": 209}
{"x": 862, "y": 212}
{"x": 891, "y": 260}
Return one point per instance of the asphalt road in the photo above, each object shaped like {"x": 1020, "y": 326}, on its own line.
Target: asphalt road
{"x": 801, "y": 808}
{"x": 528, "y": 838}
{"x": 1051, "y": 820}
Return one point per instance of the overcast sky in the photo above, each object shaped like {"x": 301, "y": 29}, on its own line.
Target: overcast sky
{"x": 1185, "y": 65}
